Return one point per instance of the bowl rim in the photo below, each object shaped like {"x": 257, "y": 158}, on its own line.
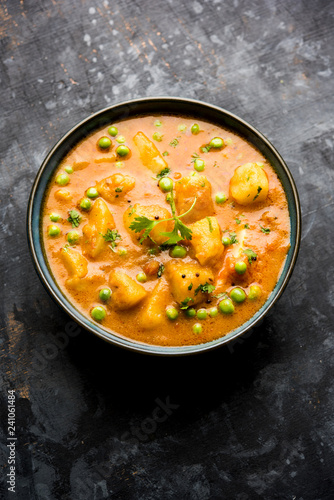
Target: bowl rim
{"x": 115, "y": 338}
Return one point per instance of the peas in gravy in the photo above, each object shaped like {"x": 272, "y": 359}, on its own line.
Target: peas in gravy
{"x": 165, "y": 229}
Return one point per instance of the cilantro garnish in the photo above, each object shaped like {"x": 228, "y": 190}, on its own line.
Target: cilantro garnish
{"x": 118, "y": 190}
{"x": 210, "y": 224}
{"x": 111, "y": 236}
{"x": 237, "y": 220}
{"x": 160, "y": 270}
{"x": 259, "y": 189}
{"x": 265, "y": 230}
{"x": 74, "y": 218}
{"x": 206, "y": 288}
{"x": 220, "y": 296}
{"x": 251, "y": 255}
{"x": 174, "y": 142}
{"x": 180, "y": 231}
{"x": 246, "y": 226}
{"x": 194, "y": 157}
{"x": 165, "y": 171}
{"x": 165, "y": 153}
{"x": 190, "y": 286}
{"x": 185, "y": 303}
{"x": 233, "y": 238}
{"x": 206, "y": 149}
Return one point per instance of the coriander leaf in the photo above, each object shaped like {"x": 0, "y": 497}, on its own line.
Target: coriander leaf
{"x": 220, "y": 295}
{"x": 210, "y": 224}
{"x": 174, "y": 142}
{"x": 185, "y": 303}
{"x": 173, "y": 236}
{"x": 132, "y": 211}
{"x": 190, "y": 286}
{"x": 111, "y": 236}
{"x": 165, "y": 153}
{"x": 206, "y": 148}
{"x": 259, "y": 189}
{"x": 251, "y": 255}
{"x": 74, "y": 218}
{"x": 143, "y": 224}
{"x": 160, "y": 270}
{"x": 194, "y": 157}
{"x": 165, "y": 171}
{"x": 237, "y": 220}
{"x": 233, "y": 237}
{"x": 118, "y": 190}
{"x": 265, "y": 230}
{"x": 246, "y": 226}
{"x": 206, "y": 288}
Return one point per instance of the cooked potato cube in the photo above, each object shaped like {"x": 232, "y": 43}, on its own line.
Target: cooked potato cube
{"x": 75, "y": 264}
{"x": 186, "y": 190}
{"x": 184, "y": 279}
{"x": 152, "y": 212}
{"x": 100, "y": 220}
{"x": 149, "y": 154}
{"x": 249, "y": 184}
{"x": 127, "y": 292}
{"x": 115, "y": 186}
{"x": 206, "y": 240}
{"x": 153, "y": 313}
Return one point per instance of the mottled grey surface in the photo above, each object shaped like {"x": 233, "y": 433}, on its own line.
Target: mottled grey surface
{"x": 255, "y": 420}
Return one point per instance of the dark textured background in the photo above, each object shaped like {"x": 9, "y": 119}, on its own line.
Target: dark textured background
{"x": 255, "y": 420}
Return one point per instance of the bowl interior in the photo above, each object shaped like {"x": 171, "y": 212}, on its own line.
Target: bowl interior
{"x": 158, "y": 106}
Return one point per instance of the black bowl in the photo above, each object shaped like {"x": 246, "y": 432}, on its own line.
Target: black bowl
{"x": 157, "y": 105}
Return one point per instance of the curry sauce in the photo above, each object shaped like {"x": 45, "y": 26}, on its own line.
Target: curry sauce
{"x": 165, "y": 229}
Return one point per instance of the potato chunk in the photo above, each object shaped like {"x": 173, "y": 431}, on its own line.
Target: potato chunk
{"x": 149, "y": 154}
{"x": 99, "y": 221}
{"x": 152, "y": 212}
{"x": 115, "y": 186}
{"x": 206, "y": 240}
{"x": 127, "y": 292}
{"x": 153, "y": 313}
{"x": 249, "y": 184}
{"x": 75, "y": 264}
{"x": 185, "y": 278}
{"x": 186, "y": 190}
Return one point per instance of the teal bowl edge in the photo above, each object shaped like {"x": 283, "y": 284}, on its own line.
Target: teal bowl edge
{"x": 158, "y": 105}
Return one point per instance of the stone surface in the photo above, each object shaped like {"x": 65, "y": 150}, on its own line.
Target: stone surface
{"x": 255, "y": 420}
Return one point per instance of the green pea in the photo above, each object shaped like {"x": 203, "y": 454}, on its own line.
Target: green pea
{"x": 68, "y": 169}
{"x": 238, "y": 295}
{"x": 104, "y": 143}
{"x": 157, "y": 136}
{"x": 98, "y": 313}
{"x": 202, "y": 313}
{"x": 197, "y": 328}
{"x": 113, "y": 131}
{"x": 85, "y": 204}
{"x": 220, "y": 198}
{"x": 240, "y": 267}
{"x": 199, "y": 165}
{"x": 216, "y": 142}
{"x": 190, "y": 312}
{"x": 53, "y": 230}
{"x": 178, "y": 252}
{"x": 254, "y": 292}
{"x": 226, "y": 306}
{"x": 120, "y": 139}
{"x": 166, "y": 184}
{"x": 182, "y": 127}
{"x": 141, "y": 277}
{"x": 226, "y": 241}
{"x": 62, "y": 179}
{"x": 54, "y": 217}
{"x": 122, "y": 150}
{"x": 213, "y": 312}
{"x": 105, "y": 294}
{"x": 195, "y": 129}
{"x": 171, "y": 313}
{"x": 157, "y": 123}
{"x": 73, "y": 237}
{"x": 92, "y": 192}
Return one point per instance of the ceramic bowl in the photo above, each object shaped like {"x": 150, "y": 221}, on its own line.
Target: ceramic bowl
{"x": 157, "y": 105}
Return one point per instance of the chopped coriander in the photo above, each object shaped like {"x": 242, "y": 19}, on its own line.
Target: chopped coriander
{"x": 174, "y": 142}
{"x": 160, "y": 270}
{"x": 259, "y": 189}
{"x": 210, "y": 224}
{"x": 164, "y": 172}
{"x": 74, "y": 218}
{"x": 251, "y": 255}
{"x": 131, "y": 211}
{"x": 237, "y": 220}
{"x": 246, "y": 226}
{"x": 111, "y": 236}
{"x": 185, "y": 303}
{"x": 152, "y": 251}
{"x": 220, "y": 296}
{"x": 265, "y": 230}
{"x": 118, "y": 190}
{"x": 206, "y": 288}
{"x": 190, "y": 286}
{"x": 206, "y": 149}
{"x": 194, "y": 157}
{"x": 165, "y": 153}
{"x": 233, "y": 237}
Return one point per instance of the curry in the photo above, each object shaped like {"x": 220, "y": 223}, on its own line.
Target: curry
{"x": 166, "y": 230}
